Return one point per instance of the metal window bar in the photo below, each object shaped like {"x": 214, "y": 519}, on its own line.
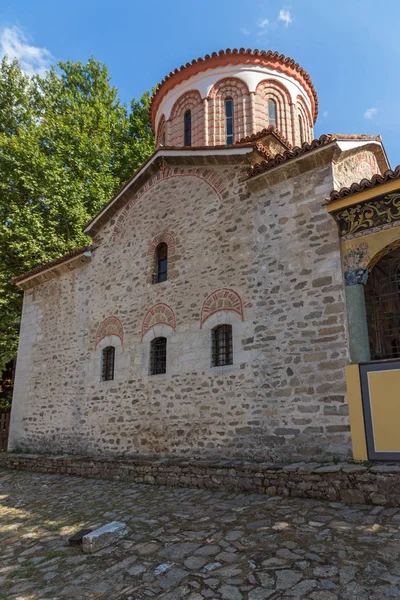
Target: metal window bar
{"x": 382, "y": 299}
{"x": 229, "y": 120}
{"x": 108, "y": 362}
{"x": 162, "y": 263}
{"x": 222, "y": 350}
{"x": 188, "y": 128}
{"x": 272, "y": 120}
{"x": 158, "y": 356}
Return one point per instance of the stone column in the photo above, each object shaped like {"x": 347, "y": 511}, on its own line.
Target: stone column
{"x": 357, "y": 315}
{"x": 252, "y": 113}
{"x": 206, "y": 124}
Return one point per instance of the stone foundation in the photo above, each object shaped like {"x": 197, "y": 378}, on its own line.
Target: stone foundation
{"x": 345, "y": 482}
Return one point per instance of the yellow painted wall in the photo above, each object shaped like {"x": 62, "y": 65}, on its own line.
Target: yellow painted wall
{"x": 368, "y": 246}
{"x": 384, "y": 393}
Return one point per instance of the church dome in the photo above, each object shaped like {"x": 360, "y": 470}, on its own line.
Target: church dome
{"x": 230, "y": 95}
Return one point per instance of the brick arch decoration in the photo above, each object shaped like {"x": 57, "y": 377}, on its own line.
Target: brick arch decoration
{"x": 161, "y": 132}
{"x": 189, "y": 101}
{"x": 159, "y": 314}
{"x": 209, "y": 177}
{"x": 303, "y": 112}
{"x": 110, "y": 326}
{"x": 270, "y": 89}
{"x": 166, "y": 238}
{"x": 220, "y": 300}
{"x": 235, "y": 88}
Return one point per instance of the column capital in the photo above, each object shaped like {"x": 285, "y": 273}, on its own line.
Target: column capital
{"x": 356, "y": 277}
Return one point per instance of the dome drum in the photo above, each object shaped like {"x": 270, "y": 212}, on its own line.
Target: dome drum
{"x": 226, "y": 97}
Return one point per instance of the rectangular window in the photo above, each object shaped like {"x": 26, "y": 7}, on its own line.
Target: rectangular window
{"x": 272, "y": 113}
{"x": 107, "y": 364}
{"x": 158, "y": 356}
{"x": 162, "y": 262}
{"x": 222, "y": 351}
{"x": 229, "y": 120}
{"x": 188, "y": 128}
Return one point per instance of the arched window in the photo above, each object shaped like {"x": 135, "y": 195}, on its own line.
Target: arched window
{"x": 301, "y": 130}
{"x": 161, "y": 263}
{"x": 107, "y": 363}
{"x": 222, "y": 351}
{"x": 382, "y": 301}
{"x": 272, "y": 119}
{"x": 188, "y": 128}
{"x": 158, "y": 356}
{"x": 229, "y": 120}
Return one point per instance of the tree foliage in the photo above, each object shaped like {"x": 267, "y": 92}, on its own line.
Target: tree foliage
{"x": 66, "y": 145}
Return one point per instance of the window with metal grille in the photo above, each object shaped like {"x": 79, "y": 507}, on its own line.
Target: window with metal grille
{"x": 188, "y": 128}
{"x": 158, "y": 356}
{"x": 301, "y": 130}
{"x": 272, "y": 120}
{"x": 162, "y": 262}
{"x": 222, "y": 352}
{"x": 382, "y": 301}
{"x": 107, "y": 363}
{"x": 229, "y": 120}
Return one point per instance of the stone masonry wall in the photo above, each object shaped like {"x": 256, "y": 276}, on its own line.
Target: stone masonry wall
{"x": 276, "y": 250}
{"x": 350, "y": 483}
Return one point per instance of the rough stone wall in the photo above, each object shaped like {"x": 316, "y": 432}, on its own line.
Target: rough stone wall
{"x": 350, "y": 483}
{"x": 284, "y": 396}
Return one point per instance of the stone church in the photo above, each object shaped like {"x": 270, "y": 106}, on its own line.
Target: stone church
{"x": 208, "y": 316}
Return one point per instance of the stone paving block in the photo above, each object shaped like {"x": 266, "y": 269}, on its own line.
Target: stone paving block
{"x": 104, "y": 536}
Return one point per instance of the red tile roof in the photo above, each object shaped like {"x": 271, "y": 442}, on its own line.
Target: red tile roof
{"x": 323, "y": 140}
{"x": 273, "y": 59}
{"x": 260, "y": 134}
{"x": 51, "y": 263}
{"x": 365, "y": 184}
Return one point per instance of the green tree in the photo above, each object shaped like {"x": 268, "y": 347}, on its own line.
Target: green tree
{"x": 66, "y": 145}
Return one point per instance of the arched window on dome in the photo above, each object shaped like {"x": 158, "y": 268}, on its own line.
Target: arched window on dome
{"x": 301, "y": 131}
{"x": 161, "y": 272}
{"x": 229, "y": 120}
{"x": 188, "y": 128}
{"x": 272, "y": 118}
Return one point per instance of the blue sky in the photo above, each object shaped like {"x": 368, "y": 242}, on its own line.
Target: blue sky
{"x": 350, "y": 48}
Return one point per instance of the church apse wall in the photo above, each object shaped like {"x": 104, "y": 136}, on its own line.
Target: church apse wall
{"x": 267, "y": 263}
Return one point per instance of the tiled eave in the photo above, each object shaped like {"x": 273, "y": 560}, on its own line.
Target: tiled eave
{"x": 54, "y": 268}
{"x": 364, "y": 190}
{"x": 310, "y": 156}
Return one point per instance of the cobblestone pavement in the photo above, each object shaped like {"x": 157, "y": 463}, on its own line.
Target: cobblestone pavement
{"x": 192, "y": 544}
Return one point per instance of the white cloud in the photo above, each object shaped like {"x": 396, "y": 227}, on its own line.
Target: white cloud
{"x": 370, "y": 113}
{"x": 284, "y": 15}
{"x": 325, "y": 113}
{"x": 245, "y": 31}
{"x": 263, "y": 23}
{"x": 32, "y": 60}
